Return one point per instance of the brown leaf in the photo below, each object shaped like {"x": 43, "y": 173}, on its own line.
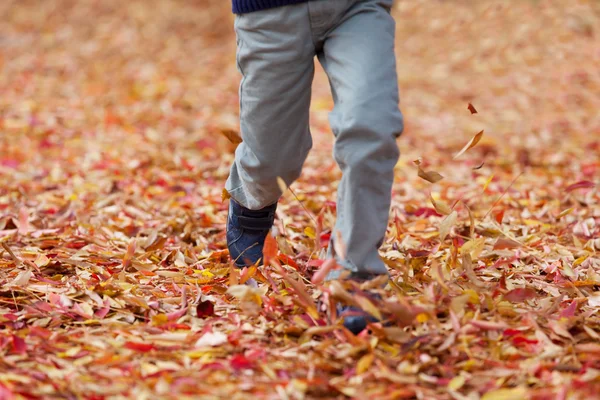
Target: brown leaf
{"x": 231, "y": 135}
{"x": 472, "y": 109}
{"x": 506, "y": 243}
{"x": 430, "y": 176}
{"x": 474, "y": 140}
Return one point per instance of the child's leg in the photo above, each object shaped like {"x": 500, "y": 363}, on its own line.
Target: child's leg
{"x": 358, "y": 56}
{"x": 276, "y": 59}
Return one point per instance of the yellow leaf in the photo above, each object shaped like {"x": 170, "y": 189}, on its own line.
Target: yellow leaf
{"x": 487, "y": 183}
{"x": 159, "y": 319}
{"x": 457, "y": 382}
{"x": 506, "y": 394}
{"x": 474, "y": 140}
{"x": 447, "y": 225}
{"x": 207, "y": 273}
{"x": 580, "y": 260}
{"x": 565, "y": 212}
{"x": 364, "y": 363}
{"x": 368, "y": 306}
{"x": 310, "y": 232}
{"x": 42, "y": 260}
{"x": 458, "y": 303}
{"x": 422, "y": 317}
{"x": 225, "y": 195}
{"x": 440, "y": 206}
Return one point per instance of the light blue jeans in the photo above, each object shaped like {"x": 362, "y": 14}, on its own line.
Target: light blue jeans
{"x": 354, "y": 41}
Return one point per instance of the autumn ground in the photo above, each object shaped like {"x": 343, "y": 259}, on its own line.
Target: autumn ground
{"x": 113, "y": 154}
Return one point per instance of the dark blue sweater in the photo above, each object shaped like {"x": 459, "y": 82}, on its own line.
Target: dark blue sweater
{"x": 246, "y": 6}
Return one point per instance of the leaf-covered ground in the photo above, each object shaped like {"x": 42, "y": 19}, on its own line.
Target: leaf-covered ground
{"x": 115, "y": 281}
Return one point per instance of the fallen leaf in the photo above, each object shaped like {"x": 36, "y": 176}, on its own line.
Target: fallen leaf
{"x": 211, "y": 339}
{"x": 439, "y": 206}
{"x": 520, "y": 295}
{"x": 580, "y": 185}
{"x": 447, "y": 224}
{"x": 506, "y": 394}
{"x": 205, "y": 309}
{"x": 139, "y": 347}
{"x": 504, "y": 243}
{"x": 269, "y": 250}
{"x": 364, "y": 363}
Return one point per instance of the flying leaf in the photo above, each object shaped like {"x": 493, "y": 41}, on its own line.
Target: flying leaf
{"x": 472, "y": 109}
{"x": 474, "y": 140}
{"x": 225, "y": 195}
{"x": 430, "y": 176}
{"x": 231, "y": 135}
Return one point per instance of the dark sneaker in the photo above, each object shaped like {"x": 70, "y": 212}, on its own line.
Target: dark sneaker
{"x": 246, "y": 232}
{"x": 354, "y": 318}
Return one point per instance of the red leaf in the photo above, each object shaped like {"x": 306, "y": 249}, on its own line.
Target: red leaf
{"x": 239, "y": 361}
{"x": 472, "y": 109}
{"x": 520, "y": 295}
{"x": 101, "y": 313}
{"x": 19, "y": 345}
{"x": 517, "y": 340}
{"x": 511, "y": 332}
{"x": 175, "y": 315}
{"x": 424, "y": 212}
{"x": 141, "y": 347}
{"x": 6, "y": 393}
{"x": 323, "y": 271}
{"x": 580, "y": 185}
{"x": 499, "y": 216}
{"x": 270, "y": 250}
{"x": 287, "y": 260}
{"x": 205, "y": 309}
{"x": 570, "y": 310}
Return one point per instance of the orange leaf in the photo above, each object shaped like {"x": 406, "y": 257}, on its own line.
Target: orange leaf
{"x": 499, "y": 216}
{"x": 232, "y": 136}
{"x": 269, "y": 250}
